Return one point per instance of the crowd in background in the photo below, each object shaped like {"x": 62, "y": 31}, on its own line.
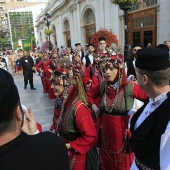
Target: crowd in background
{"x": 95, "y": 91}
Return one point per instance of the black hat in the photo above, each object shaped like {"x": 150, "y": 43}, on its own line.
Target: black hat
{"x": 77, "y": 44}
{"x": 163, "y": 47}
{"x": 91, "y": 44}
{"x": 8, "y": 95}
{"x": 102, "y": 39}
{"x": 152, "y": 59}
{"x": 137, "y": 45}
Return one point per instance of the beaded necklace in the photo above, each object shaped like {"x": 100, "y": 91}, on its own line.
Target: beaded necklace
{"x": 108, "y": 103}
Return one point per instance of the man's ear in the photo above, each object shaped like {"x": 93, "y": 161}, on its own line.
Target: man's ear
{"x": 145, "y": 79}
{"x": 19, "y": 115}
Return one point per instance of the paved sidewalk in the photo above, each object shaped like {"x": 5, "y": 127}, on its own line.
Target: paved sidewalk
{"x": 38, "y": 101}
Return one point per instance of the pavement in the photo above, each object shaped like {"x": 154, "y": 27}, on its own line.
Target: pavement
{"x": 38, "y": 101}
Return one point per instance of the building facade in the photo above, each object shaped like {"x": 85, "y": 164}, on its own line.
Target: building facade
{"x": 74, "y": 21}
{"x": 22, "y": 22}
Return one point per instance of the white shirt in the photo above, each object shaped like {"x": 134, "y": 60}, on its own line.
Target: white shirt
{"x": 71, "y": 57}
{"x": 137, "y": 103}
{"x": 165, "y": 138}
{"x": 90, "y": 57}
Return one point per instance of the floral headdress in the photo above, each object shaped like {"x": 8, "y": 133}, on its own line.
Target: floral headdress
{"x": 107, "y": 34}
{"x": 66, "y": 76}
{"x": 115, "y": 60}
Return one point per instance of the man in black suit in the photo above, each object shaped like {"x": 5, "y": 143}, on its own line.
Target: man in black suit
{"x": 129, "y": 65}
{"x": 89, "y": 58}
{"x": 27, "y": 63}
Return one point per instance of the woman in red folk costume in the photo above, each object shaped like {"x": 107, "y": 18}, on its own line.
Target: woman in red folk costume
{"x": 77, "y": 64}
{"x": 52, "y": 65}
{"x": 117, "y": 99}
{"x": 42, "y": 67}
{"x": 93, "y": 75}
{"x": 72, "y": 119}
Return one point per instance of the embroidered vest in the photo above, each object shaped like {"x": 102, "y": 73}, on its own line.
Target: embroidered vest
{"x": 67, "y": 128}
{"x": 120, "y": 106}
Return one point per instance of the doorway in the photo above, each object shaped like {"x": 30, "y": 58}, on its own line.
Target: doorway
{"x": 90, "y": 29}
{"x": 136, "y": 37}
{"x": 68, "y": 39}
{"x": 148, "y": 37}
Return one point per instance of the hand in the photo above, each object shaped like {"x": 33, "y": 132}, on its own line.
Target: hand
{"x": 88, "y": 87}
{"x": 96, "y": 110}
{"x": 33, "y": 68}
{"x": 68, "y": 146}
{"x": 50, "y": 70}
{"x": 30, "y": 124}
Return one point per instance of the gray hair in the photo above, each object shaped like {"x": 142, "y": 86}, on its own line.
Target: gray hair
{"x": 159, "y": 78}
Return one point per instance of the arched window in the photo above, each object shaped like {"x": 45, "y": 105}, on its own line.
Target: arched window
{"x": 144, "y": 4}
{"x": 54, "y": 34}
{"x": 89, "y": 17}
{"x": 67, "y": 32}
{"x": 66, "y": 25}
{"x": 90, "y": 24}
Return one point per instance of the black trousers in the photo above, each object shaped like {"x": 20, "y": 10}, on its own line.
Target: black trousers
{"x": 28, "y": 75}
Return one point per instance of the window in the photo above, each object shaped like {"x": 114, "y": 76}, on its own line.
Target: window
{"x": 144, "y": 4}
{"x": 143, "y": 22}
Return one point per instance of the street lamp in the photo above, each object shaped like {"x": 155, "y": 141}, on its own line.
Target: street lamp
{"x": 46, "y": 19}
{"x": 125, "y": 6}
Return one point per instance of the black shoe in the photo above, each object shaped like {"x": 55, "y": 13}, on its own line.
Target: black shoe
{"x": 25, "y": 87}
{"x": 33, "y": 88}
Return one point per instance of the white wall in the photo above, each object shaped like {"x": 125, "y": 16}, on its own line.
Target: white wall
{"x": 163, "y": 33}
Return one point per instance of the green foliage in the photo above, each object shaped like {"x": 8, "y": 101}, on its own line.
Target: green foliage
{"x": 48, "y": 32}
{"x": 3, "y": 40}
{"x": 122, "y": 1}
{"x": 15, "y": 44}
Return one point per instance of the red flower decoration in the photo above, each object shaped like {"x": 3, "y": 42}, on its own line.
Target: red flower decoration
{"x": 110, "y": 37}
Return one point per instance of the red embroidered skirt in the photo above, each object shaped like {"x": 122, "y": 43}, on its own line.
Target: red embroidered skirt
{"x": 113, "y": 156}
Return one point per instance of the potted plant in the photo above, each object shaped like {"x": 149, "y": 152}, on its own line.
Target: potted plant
{"x": 48, "y": 32}
{"x": 124, "y": 4}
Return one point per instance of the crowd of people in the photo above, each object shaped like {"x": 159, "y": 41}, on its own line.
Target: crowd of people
{"x": 97, "y": 113}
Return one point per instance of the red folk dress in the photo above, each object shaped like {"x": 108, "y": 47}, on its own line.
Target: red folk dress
{"x": 114, "y": 151}
{"x": 50, "y": 65}
{"x": 44, "y": 65}
{"x": 77, "y": 128}
{"x": 92, "y": 73}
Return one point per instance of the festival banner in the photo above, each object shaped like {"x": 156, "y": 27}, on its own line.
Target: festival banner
{"x": 26, "y": 44}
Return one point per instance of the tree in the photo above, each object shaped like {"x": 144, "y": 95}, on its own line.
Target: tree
{"x": 3, "y": 41}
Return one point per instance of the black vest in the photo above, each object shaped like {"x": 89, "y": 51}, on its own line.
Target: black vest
{"x": 130, "y": 67}
{"x": 87, "y": 60}
{"x": 82, "y": 55}
{"x": 145, "y": 140}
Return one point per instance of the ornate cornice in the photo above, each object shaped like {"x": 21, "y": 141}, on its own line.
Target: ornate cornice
{"x": 72, "y": 8}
